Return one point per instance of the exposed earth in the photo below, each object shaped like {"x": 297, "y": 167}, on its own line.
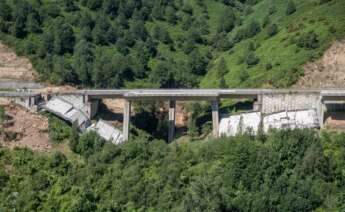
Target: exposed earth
{"x": 327, "y": 72}
{"x": 15, "y": 67}
{"x": 25, "y": 129}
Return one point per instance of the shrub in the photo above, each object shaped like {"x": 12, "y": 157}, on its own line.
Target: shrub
{"x": 272, "y": 30}
{"x": 269, "y": 66}
{"x": 251, "y": 59}
{"x": 59, "y": 130}
{"x": 243, "y": 76}
{"x": 308, "y": 41}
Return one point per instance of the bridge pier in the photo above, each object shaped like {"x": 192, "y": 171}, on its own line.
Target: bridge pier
{"x": 91, "y": 106}
{"x": 126, "y": 119}
{"x": 172, "y": 115}
{"x": 215, "y": 118}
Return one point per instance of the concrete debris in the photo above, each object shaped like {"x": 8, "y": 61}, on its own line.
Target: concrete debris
{"x": 107, "y": 131}
{"x": 68, "y": 112}
{"x": 252, "y": 122}
{"x": 71, "y": 112}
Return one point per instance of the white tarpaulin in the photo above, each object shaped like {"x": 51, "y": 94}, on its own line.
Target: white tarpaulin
{"x": 237, "y": 124}
{"x": 291, "y": 120}
{"x": 250, "y": 122}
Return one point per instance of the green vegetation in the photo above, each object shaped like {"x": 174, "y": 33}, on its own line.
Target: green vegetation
{"x": 285, "y": 171}
{"x": 151, "y": 43}
{"x": 2, "y": 114}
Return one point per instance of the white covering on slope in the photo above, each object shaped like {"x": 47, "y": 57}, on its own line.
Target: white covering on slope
{"x": 291, "y": 120}
{"x": 245, "y": 122}
{"x": 241, "y": 123}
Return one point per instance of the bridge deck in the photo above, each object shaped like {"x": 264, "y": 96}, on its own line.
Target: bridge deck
{"x": 187, "y": 94}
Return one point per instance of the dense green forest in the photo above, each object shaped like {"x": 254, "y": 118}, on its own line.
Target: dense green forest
{"x": 171, "y": 43}
{"x": 299, "y": 170}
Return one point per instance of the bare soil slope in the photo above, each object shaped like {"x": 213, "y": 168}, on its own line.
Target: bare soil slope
{"x": 29, "y": 130}
{"x": 15, "y": 67}
{"x": 327, "y": 72}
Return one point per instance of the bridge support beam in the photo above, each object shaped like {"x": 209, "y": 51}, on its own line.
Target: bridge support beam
{"x": 126, "y": 119}
{"x": 215, "y": 118}
{"x": 172, "y": 114}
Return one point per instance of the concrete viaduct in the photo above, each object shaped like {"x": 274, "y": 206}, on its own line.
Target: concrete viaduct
{"x": 265, "y": 100}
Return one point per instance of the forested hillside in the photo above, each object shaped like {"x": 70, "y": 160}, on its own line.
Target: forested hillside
{"x": 171, "y": 43}
{"x": 286, "y": 171}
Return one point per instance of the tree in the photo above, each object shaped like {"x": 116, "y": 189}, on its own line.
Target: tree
{"x": 64, "y": 38}
{"x": 252, "y": 29}
{"x": 163, "y": 75}
{"x": 308, "y": 40}
{"x": 32, "y": 23}
{"x": 251, "y": 59}
{"x": 157, "y": 10}
{"x": 69, "y": 5}
{"x": 20, "y": 14}
{"x": 108, "y": 71}
{"x": 170, "y": 14}
{"x": 227, "y": 20}
{"x": 93, "y": 4}
{"x": 5, "y": 11}
{"x": 198, "y": 62}
{"x": 138, "y": 30}
{"x": 65, "y": 74}
{"x": 83, "y": 59}
{"x": 243, "y": 76}
{"x": 110, "y": 7}
{"x": 47, "y": 44}
{"x": 272, "y": 30}
{"x": 290, "y": 8}
{"x": 99, "y": 33}
{"x": 222, "y": 70}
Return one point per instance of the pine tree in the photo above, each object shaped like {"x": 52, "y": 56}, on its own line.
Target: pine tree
{"x": 227, "y": 21}
{"x": 83, "y": 61}
{"x": 64, "y": 38}
{"x": 5, "y": 11}
{"x": 222, "y": 70}
{"x": 32, "y": 24}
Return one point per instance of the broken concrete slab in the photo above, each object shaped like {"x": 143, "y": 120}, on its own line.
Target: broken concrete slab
{"x": 107, "y": 131}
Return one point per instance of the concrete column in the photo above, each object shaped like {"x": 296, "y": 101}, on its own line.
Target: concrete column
{"x": 215, "y": 118}
{"x": 258, "y": 104}
{"x": 126, "y": 119}
{"x": 321, "y": 114}
{"x": 91, "y": 106}
{"x": 172, "y": 106}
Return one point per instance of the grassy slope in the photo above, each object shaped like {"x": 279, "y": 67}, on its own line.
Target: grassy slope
{"x": 279, "y": 50}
